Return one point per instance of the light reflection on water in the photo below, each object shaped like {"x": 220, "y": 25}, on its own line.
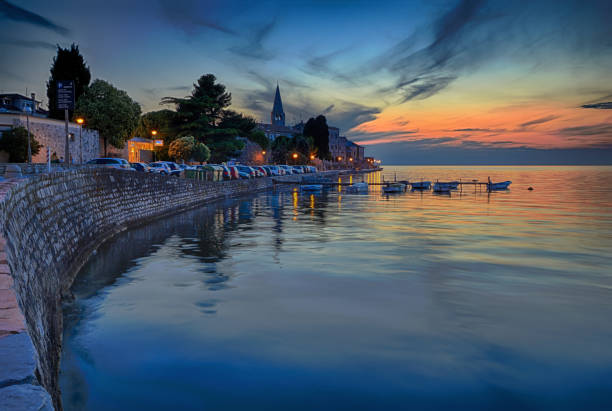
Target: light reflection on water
{"x": 336, "y": 300}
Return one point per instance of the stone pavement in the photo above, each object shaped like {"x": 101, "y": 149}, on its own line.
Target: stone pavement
{"x": 19, "y": 389}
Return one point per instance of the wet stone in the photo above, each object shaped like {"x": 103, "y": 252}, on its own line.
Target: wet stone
{"x": 18, "y": 360}
{"x": 25, "y": 397}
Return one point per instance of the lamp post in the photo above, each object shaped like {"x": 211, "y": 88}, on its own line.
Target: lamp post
{"x": 80, "y": 121}
{"x": 154, "y": 133}
{"x": 27, "y": 110}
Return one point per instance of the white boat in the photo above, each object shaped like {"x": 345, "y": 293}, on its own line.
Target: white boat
{"x": 394, "y": 188}
{"x": 423, "y": 185}
{"x": 499, "y": 186}
{"x": 357, "y": 187}
{"x": 312, "y": 187}
{"x": 442, "y": 187}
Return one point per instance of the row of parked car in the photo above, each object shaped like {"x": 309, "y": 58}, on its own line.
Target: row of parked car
{"x": 233, "y": 172}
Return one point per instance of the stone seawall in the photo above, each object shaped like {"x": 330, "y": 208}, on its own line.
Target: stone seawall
{"x": 50, "y": 224}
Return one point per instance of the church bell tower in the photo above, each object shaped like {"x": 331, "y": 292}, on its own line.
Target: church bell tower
{"x": 278, "y": 115}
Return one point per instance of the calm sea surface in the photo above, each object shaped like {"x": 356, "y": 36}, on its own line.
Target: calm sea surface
{"x": 289, "y": 300}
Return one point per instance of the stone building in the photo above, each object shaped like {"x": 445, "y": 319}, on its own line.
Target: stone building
{"x": 51, "y": 134}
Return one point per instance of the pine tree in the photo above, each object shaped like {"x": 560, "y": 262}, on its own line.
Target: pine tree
{"x": 69, "y": 64}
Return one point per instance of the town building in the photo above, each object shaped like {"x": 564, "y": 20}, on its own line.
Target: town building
{"x": 340, "y": 148}
{"x": 17, "y": 103}
{"x": 51, "y": 134}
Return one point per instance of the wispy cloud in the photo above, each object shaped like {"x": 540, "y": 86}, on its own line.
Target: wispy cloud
{"x": 191, "y": 16}
{"x": 604, "y": 105}
{"x": 11, "y": 12}
{"x": 254, "y": 46}
{"x": 540, "y": 120}
{"x": 603, "y": 130}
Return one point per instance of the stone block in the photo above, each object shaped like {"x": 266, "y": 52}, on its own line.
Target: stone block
{"x": 18, "y": 360}
{"x": 25, "y": 397}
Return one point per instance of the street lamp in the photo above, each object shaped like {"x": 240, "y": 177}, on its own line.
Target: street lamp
{"x": 295, "y": 155}
{"x": 312, "y": 156}
{"x": 80, "y": 121}
{"x": 339, "y": 158}
{"x": 263, "y": 153}
{"x": 154, "y": 133}
{"x": 27, "y": 111}
{"x": 351, "y": 159}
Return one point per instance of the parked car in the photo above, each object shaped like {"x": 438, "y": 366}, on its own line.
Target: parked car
{"x": 160, "y": 168}
{"x": 250, "y": 172}
{"x": 227, "y": 173}
{"x": 235, "y": 173}
{"x": 264, "y": 172}
{"x": 298, "y": 169}
{"x": 175, "y": 170}
{"x": 111, "y": 162}
{"x": 288, "y": 169}
{"x": 313, "y": 169}
{"x": 142, "y": 167}
{"x": 276, "y": 170}
{"x": 186, "y": 167}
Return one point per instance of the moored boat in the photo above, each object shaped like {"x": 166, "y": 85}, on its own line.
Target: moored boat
{"x": 499, "y": 186}
{"x": 442, "y": 187}
{"x": 423, "y": 185}
{"x": 394, "y": 188}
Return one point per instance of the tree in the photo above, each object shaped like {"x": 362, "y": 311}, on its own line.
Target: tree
{"x": 110, "y": 111}
{"x": 203, "y": 115}
{"x": 317, "y": 129}
{"x": 280, "y": 148}
{"x": 15, "y": 143}
{"x": 201, "y": 153}
{"x": 259, "y": 137}
{"x": 68, "y": 64}
{"x": 182, "y": 148}
{"x": 161, "y": 121}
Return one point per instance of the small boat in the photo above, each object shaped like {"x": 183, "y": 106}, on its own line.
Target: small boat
{"x": 499, "y": 186}
{"x": 312, "y": 187}
{"x": 454, "y": 185}
{"x": 357, "y": 187}
{"x": 423, "y": 185}
{"x": 442, "y": 187}
{"x": 394, "y": 188}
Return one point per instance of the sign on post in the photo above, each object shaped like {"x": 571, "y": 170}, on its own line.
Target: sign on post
{"x": 65, "y": 101}
{"x": 65, "y": 95}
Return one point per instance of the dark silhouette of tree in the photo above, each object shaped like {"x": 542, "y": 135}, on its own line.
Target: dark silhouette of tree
{"x": 68, "y": 64}
{"x": 204, "y": 115}
{"x": 317, "y": 129}
{"x": 15, "y": 143}
{"x": 280, "y": 148}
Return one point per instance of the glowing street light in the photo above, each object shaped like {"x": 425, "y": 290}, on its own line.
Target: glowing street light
{"x": 154, "y": 133}
{"x": 80, "y": 122}
{"x": 312, "y": 156}
{"x": 263, "y": 153}
{"x": 295, "y": 155}
{"x": 351, "y": 159}
{"x": 339, "y": 158}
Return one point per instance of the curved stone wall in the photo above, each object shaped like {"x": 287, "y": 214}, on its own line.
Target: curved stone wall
{"x": 51, "y": 223}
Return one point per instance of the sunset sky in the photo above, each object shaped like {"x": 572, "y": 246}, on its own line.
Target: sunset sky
{"x": 436, "y": 81}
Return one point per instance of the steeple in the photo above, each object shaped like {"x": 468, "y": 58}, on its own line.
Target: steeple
{"x": 278, "y": 115}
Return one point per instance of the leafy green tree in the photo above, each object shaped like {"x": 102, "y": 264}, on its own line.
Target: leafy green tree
{"x": 201, "y": 153}
{"x": 182, "y": 148}
{"x": 15, "y": 143}
{"x": 68, "y": 64}
{"x": 280, "y": 149}
{"x": 259, "y": 137}
{"x": 110, "y": 111}
{"x": 317, "y": 129}
{"x": 160, "y": 121}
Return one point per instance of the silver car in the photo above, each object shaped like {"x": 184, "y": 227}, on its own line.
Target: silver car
{"x": 111, "y": 162}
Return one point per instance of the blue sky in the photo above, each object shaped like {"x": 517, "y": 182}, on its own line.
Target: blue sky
{"x": 488, "y": 81}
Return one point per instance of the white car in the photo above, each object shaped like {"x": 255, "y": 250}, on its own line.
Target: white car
{"x": 111, "y": 162}
{"x": 160, "y": 168}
